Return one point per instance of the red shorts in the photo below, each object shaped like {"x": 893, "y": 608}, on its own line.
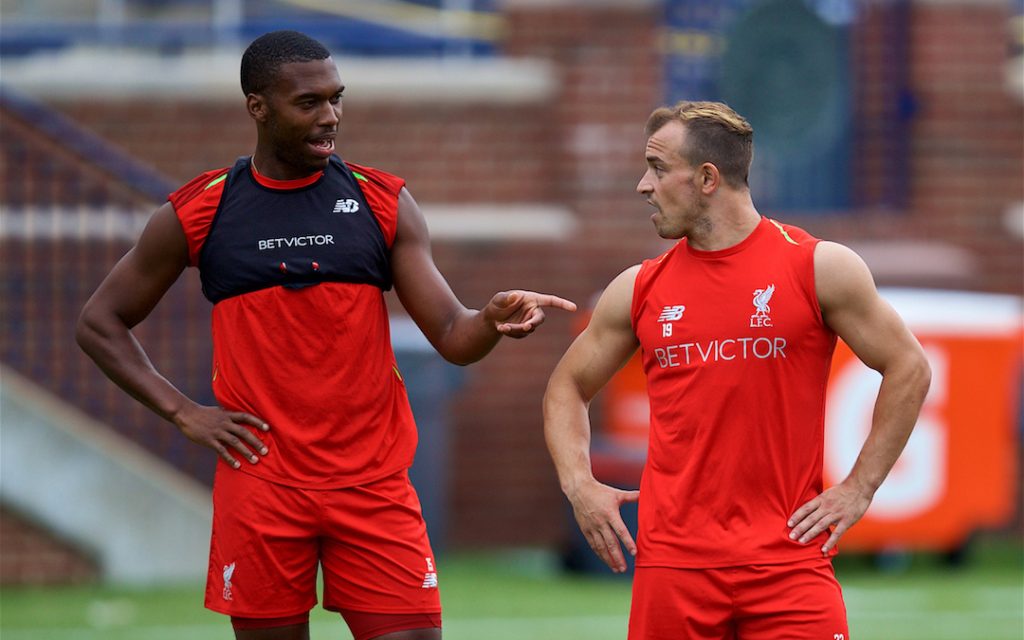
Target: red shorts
{"x": 796, "y": 601}
{"x": 269, "y": 539}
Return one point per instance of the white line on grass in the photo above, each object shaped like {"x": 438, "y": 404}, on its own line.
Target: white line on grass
{"x": 990, "y": 623}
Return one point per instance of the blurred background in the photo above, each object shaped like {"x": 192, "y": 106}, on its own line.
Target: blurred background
{"x": 893, "y": 126}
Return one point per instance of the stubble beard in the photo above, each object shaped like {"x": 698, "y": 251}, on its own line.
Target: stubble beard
{"x": 695, "y": 223}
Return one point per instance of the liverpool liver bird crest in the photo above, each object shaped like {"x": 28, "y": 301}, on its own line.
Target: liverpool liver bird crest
{"x": 761, "y": 298}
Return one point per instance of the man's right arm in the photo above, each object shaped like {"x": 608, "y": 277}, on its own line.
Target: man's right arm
{"x": 124, "y": 299}
{"x": 594, "y": 357}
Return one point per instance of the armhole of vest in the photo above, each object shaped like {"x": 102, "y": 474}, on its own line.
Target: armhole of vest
{"x": 196, "y": 189}
{"x": 229, "y": 179}
{"x": 812, "y": 281}
{"x": 389, "y": 236}
{"x": 370, "y": 174}
{"x": 634, "y": 305}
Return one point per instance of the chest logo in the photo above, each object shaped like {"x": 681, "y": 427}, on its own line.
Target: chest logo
{"x": 762, "y": 311}
{"x": 346, "y": 205}
{"x": 670, "y": 314}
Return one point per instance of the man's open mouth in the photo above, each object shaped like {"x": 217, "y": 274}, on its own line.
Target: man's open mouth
{"x": 323, "y": 146}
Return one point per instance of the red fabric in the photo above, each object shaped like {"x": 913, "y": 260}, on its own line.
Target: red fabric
{"x": 793, "y": 601}
{"x": 737, "y": 400}
{"x": 244, "y": 624}
{"x": 268, "y": 540}
{"x": 365, "y": 626}
{"x": 195, "y": 204}
{"x": 297, "y": 183}
{"x": 314, "y": 363}
{"x": 381, "y": 192}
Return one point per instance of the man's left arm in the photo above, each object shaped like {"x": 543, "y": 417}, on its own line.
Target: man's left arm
{"x": 459, "y": 334}
{"x": 851, "y": 306}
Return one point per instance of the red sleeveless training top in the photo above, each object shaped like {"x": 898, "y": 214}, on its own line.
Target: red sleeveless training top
{"x": 315, "y": 362}
{"x": 736, "y": 357}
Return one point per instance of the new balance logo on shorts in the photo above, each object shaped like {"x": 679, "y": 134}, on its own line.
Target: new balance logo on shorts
{"x": 430, "y": 577}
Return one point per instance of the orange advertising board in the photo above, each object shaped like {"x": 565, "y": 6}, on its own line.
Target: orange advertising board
{"x": 959, "y": 471}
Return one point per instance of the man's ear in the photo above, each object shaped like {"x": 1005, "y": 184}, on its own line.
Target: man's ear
{"x": 710, "y": 178}
{"x": 256, "y": 105}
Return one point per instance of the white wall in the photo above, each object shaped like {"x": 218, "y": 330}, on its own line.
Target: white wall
{"x": 144, "y": 521}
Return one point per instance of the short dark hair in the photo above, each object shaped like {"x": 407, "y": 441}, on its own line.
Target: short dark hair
{"x": 717, "y": 134}
{"x": 267, "y": 53}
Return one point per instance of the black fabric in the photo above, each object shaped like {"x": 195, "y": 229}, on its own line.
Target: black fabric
{"x": 262, "y": 237}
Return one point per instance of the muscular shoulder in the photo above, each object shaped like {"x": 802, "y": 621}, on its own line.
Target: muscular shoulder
{"x": 615, "y": 306}
{"x": 622, "y": 284}
{"x": 840, "y": 275}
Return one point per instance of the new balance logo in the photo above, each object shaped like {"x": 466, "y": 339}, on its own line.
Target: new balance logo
{"x": 430, "y": 577}
{"x": 671, "y": 314}
{"x": 346, "y": 205}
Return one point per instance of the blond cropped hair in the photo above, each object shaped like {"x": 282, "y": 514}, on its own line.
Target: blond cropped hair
{"x": 715, "y": 134}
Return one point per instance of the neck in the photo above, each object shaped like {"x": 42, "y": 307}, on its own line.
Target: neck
{"x": 269, "y": 166}
{"x": 725, "y": 224}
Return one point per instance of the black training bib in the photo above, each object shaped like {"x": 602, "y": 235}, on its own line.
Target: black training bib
{"x": 262, "y": 237}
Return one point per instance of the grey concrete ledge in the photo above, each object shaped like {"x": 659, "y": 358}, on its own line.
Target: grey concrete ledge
{"x": 113, "y": 74}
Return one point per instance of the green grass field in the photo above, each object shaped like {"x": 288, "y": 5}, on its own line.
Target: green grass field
{"x": 506, "y": 596}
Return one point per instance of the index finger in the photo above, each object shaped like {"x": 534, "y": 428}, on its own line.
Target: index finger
{"x": 247, "y": 418}
{"x": 548, "y": 300}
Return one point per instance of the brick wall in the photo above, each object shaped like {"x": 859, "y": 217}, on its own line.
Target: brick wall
{"x": 966, "y": 142}
{"x": 583, "y": 150}
{"x": 47, "y": 280}
{"x": 34, "y": 556}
